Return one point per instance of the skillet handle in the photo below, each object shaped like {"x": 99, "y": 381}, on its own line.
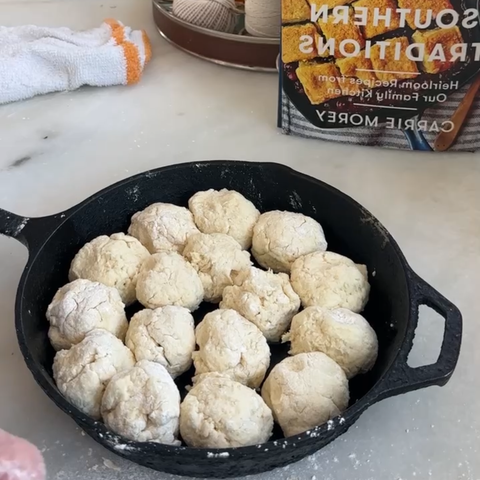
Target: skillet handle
{"x": 403, "y": 378}
{"x": 12, "y": 225}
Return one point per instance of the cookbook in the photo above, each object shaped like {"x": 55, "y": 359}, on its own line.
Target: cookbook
{"x": 391, "y": 73}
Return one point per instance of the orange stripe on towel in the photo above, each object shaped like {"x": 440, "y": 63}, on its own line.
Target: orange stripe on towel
{"x": 134, "y": 67}
{"x": 148, "y": 47}
{"x": 118, "y": 32}
{"x": 130, "y": 51}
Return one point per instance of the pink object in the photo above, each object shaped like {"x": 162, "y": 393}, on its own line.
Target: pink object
{"x": 19, "y": 459}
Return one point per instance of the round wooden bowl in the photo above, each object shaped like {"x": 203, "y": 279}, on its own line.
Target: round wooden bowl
{"x": 237, "y": 50}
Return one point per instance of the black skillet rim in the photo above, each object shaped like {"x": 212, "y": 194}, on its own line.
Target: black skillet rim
{"x": 106, "y": 436}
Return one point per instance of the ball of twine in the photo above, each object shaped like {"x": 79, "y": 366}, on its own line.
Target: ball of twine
{"x": 219, "y": 15}
{"x": 263, "y": 18}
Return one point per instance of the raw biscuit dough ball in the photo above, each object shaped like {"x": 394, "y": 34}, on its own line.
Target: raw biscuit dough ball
{"x": 82, "y": 372}
{"x": 163, "y": 227}
{"x": 329, "y": 280}
{"x": 266, "y": 299}
{"x": 305, "y": 391}
{"x": 166, "y": 278}
{"x": 279, "y": 238}
{"x": 143, "y": 404}
{"x": 225, "y": 211}
{"x": 82, "y": 306}
{"x": 343, "y": 335}
{"x": 218, "y": 258}
{"x": 202, "y": 376}
{"x": 165, "y": 335}
{"x": 231, "y": 345}
{"x": 221, "y": 413}
{"x": 114, "y": 261}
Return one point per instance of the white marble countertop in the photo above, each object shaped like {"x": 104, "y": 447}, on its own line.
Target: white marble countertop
{"x": 58, "y": 149}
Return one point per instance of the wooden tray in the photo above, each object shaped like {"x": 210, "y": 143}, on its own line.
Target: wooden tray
{"x": 237, "y": 50}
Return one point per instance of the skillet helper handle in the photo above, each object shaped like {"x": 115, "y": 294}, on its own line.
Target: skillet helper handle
{"x": 445, "y": 140}
{"x": 403, "y": 378}
{"x": 12, "y": 225}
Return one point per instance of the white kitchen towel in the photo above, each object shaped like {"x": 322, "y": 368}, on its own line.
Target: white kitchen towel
{"x": 37, "y": 60}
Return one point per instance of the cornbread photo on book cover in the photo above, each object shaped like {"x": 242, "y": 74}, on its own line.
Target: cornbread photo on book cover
{"x": 387, "y": 73}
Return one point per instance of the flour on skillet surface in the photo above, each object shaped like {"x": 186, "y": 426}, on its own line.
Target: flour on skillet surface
{"x": 295, "y": 201}
{"x": 218, "y": 455}
{"x": 133, "y": 193}
{"x": 17, "y": 229}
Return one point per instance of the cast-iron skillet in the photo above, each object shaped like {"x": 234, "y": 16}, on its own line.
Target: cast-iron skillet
{"x": 397, "y": 293}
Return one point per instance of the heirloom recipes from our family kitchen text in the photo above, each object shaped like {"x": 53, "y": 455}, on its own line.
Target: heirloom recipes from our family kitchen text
{"x": 378, "y": 63}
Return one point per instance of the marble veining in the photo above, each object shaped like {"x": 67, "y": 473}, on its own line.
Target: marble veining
{"x": 20, "y": 161}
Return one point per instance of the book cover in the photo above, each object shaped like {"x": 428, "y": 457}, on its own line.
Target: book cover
{"x": 391, "y": 73}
